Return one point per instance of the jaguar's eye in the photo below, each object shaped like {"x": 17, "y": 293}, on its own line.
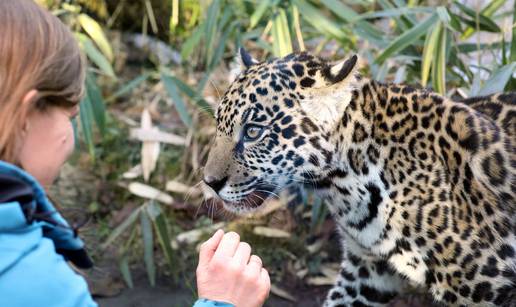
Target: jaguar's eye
{"x": 252, "y": 132}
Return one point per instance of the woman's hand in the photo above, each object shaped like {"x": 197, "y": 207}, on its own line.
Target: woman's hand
{"x": 227, "y": 272}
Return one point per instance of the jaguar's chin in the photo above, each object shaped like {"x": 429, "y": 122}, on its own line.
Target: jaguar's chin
{"x": 252, "y": 200}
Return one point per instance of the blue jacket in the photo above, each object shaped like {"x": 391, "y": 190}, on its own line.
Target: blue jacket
{"x": 35, "y": 243}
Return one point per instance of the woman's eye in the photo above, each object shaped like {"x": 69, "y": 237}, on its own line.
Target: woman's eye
{"x": 253, "y": 132}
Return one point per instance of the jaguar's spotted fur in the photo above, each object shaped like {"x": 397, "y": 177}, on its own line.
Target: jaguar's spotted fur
{"x": 422, "y": 188}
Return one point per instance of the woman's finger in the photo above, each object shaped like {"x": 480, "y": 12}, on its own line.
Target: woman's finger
{"x": 209, "y": 247}
{"x": 242, "y": 253}
{"x": 228, "y": 245}
{"x": 254, "y": 266}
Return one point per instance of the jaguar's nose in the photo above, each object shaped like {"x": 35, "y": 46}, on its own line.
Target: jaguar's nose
{"x": 215, "y": 183}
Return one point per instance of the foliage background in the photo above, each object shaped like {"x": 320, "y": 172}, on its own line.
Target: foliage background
{"x": 157, "y": 69}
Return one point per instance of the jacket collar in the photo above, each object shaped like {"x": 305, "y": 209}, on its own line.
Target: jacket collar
{"x": 18, "y": 186}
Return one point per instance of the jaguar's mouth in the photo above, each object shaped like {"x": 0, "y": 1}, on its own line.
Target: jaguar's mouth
{"x": 256, "y": 198}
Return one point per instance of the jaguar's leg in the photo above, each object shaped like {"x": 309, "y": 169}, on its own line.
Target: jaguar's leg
{"x": 364, "y": 282}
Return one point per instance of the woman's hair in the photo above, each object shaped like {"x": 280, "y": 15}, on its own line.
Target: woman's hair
{"x": 37, "y": 52}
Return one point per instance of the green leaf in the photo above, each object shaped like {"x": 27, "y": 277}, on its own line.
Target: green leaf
{"x": 428, "y": 52}
{"x": 439, "y": 64}
{"x": 148, "y": 247}
{"x": 176, "y": 99}
{"x": 499, "y": 78}
{"x": 361, "y": 27}
{"x": 407, "y": 38}
{"x": 322, "y": 23}
{"x": 122, "y": 227}
{"x": 192, "y": 42}
{"x": 485, "y": 23}
{"x": 513, "y": 41}
{"x": 258, "y": 12}
{"x": 160, "y": 225}
{"x": 97, "y": 103}
{"x": 210, "y": 28}
{"x": 196, "y": 98}
{"x": 95, "y": 55}
{"x": 487, "y": 11}
{"x": 129, "y": 86}
{"x": 394, "y": 12}
{"x": 282, "y": 44}
{"x": 85, "y": 115}
{"x": 126, "y": 271}
{"x": 95, "y": 31}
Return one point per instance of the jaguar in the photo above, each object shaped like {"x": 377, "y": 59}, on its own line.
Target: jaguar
{"x": 422, "y": 188}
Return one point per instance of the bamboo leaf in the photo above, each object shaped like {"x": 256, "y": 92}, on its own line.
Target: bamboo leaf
{"x": 439, "y": 64}
{"x": 148, "y": 247}
{"x": 485, "y": 23}
{"x": 407, "y": 38}
{"x": 177, "y": 100}
{"x": 428, "y": 52}
{"x": 498, "y": 80}
{"x": 193, "y": 95}
{"x": 160, "y": 225}
{"x": 129, "y": 86}
{"x": 319, "y": 21}
{"x": 192, "y": 42}
{"x": 393, "y": 12}
{"x": 259, "y": 11}
{"x": 97, "y": 103}
{"x": 487, "y": 11}
{"x": 95, "y": 31}
{"x": 513, "y": 41}
{"x": 126, "y": 271}
{"x": 95, "y": 55}
{"x": 121, "y": 228}
{"x": 210, "y": 29}
{"x": 85, "y": 115}
{"x": 282, "y": 44}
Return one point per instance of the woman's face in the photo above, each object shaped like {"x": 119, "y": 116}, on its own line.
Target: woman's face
{"x": 47, "y": 142}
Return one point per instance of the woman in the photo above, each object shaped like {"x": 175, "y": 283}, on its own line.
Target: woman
{"x": 41, "y": 84}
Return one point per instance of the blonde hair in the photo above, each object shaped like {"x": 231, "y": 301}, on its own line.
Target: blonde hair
{"x": 37, "y": 52}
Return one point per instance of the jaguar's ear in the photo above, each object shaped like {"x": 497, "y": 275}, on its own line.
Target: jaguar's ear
{"x": 246, "y": 60}
{"x": 340, "y": 71}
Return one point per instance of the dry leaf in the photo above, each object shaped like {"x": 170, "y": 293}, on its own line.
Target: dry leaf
{"x": 133, "y": 173}
{"x": 156, "y": 135}
{"x": 282, "y": 293}
{"x": 270, "y": 232}
{"x": 146, "y": 191}
{"x": 320, "y": 281}
{"x": 178, "y": 187}
{"x": 192, "y": 236}
{"x": 150, "y": 149}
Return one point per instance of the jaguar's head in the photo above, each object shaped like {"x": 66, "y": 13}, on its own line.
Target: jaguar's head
{"x": 273, "y": 125}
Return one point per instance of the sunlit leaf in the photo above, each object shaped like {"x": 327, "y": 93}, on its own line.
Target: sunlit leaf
{"x": 439, "y": 63}
{"x": 95, "y": 55}
{"x": 282, "y": 44}
{"x": 428, "y": 52}
{"x": 95, "y": 31}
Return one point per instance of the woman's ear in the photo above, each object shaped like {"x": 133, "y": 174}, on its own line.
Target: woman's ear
{"x": 28, "y": 104}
